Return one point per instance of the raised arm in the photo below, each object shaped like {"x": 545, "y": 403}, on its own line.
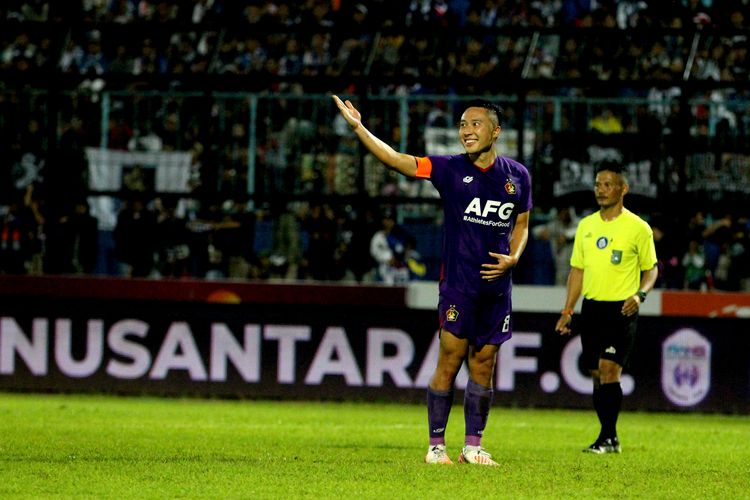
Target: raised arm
{"x": 400, "y": 162}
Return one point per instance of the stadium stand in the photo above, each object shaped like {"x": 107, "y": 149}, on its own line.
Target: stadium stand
{"x": 221, "y": 111}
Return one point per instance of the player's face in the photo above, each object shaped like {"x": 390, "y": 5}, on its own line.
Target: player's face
{"x": 477, "y": 130}
{"x": 609, "y": 189}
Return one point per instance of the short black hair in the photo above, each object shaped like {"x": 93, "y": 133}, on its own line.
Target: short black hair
{"x": 610, "y": 166}
{"x": 615, "y": 168}
{"x": 489, "y": 106}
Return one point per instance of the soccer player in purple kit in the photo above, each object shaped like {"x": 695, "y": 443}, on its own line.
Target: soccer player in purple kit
{"x": 486, "y": 200}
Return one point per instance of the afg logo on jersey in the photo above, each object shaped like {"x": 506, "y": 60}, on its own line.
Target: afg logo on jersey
{"x": 477, "y": 207}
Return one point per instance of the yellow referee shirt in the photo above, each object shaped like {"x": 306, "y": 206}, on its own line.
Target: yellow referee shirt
{"x": 612, "y": 255}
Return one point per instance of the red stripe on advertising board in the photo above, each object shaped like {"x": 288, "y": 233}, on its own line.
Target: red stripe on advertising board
{"x": 194, "y": 290}
{"x": 711, "y": 304}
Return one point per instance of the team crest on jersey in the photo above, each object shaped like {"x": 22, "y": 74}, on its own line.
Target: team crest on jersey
{"x": 451, "y": 314}
{"x": 510, "y": 188}
{"x": 602, "y": 243}
{"x": 616, "y": 257}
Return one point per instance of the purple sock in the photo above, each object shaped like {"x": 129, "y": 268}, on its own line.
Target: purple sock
{"x": 438, "y": 408}
{"x": 477, "y": 402}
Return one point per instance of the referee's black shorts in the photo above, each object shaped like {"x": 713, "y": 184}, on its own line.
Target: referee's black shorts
{"x": 606, "y": 333}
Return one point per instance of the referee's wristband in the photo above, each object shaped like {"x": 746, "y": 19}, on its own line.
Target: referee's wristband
{"x": 567, "y": 312}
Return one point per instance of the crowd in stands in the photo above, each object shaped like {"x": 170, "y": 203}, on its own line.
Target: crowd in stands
{"x": 410, "y": 46}
{"x": 477, "y": 39}
{"x": 154, "y": 238}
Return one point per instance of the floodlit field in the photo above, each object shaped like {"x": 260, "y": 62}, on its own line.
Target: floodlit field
{"x": 110, "y": 447}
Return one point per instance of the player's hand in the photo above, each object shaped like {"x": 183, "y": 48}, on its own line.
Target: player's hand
{"x": 349, "y": 112}
{"x": 631, "y": 306}
{"x": 563, "y": 324}
{"x": 497, "y": 270}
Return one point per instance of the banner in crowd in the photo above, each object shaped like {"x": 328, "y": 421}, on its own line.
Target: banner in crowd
{"x": 346, "y": 352}
{"x": 149, "y": 171}
{"x": 717, "y": 175}
{"x": 580, "y": 155}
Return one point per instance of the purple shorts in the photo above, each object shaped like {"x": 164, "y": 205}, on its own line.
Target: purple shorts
{"x": 482, "y": 321}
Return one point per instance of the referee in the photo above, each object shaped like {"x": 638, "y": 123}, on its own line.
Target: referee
{"x": 614, "y": 266}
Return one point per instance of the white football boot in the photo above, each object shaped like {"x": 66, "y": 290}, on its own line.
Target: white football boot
{"x": 436, "y": 455}
{"x": 476, "y": 455}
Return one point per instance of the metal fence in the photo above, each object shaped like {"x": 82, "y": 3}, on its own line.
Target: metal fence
{"x": 273, "y": 153}
{"x": 261, "y": 146}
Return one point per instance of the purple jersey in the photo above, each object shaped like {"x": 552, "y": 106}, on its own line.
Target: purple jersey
{"x": 480, "y": 207}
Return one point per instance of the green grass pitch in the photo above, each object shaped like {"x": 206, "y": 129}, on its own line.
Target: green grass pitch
{"x": 63, "y": 446}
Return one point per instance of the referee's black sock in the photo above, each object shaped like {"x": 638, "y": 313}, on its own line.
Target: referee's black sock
{"x": 611, "y": 402}
{"x": 597, "y": 398}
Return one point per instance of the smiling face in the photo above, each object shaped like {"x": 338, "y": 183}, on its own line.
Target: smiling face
{"x": 478, "y": 130}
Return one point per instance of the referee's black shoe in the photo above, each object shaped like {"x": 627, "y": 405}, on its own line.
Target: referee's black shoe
{"x": 601, "y": 446}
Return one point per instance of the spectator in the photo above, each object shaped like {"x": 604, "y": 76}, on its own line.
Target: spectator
{"x": 737, "y": 66}
{"x": 717, "y": 236}
{"x": 253, "y": 14}
{"x": 628, "y": 12}
{"x": 20, "y": 50}
{"x": 574, "y": 11}
{"x": 149, "y": 61}
{"x": 419, "y": 59}
{"x": 135, "y": 238}
{"x": 359, "y": 261}
{"x": 560, "y": 233}
{"x": 121, "y": 11}
{"x": 17, "y": 237}
{"x": 668, "y": 251}
{"x": 731, "y": 266}
{"x": 120, "y": 132}
{"x": 164, "y": 12}
{"x": 393, "y": 250}
{"x": 694, "y": 263}
{"x": 231, "y": 247}
{"x": 121, "y": 61}
{"x": 738, "y": 19}
{"x": 173, "y": 238}
{"x": 206, "y": 11}
{"x": 31, "y": 10}
{"x": 286, "y": 252}
{"x": 426, "y": 13}
{"x": 145, "y": 139}
{"x": 350, "y": 57}
{"x": 320, "y": 257}
{"x": 71, "y": 57}
{"x": 320, "y": 15}
{"x": 93, "y": 61}
{"x": 317, "y": 56}
{"x": 254, "y": 56}
{"x": 290, "y": 63}
{"x": 64, "y": 172}
{"x": 606, "y": 122}
{"x": 71, "y": 243}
